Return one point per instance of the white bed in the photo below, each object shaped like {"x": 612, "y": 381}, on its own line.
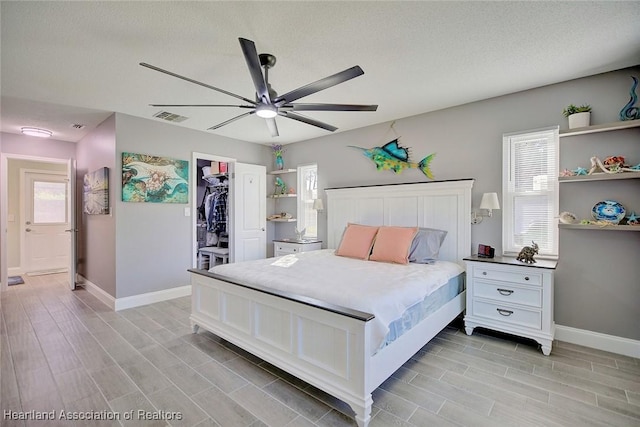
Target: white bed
{"x": 331, "y": 346}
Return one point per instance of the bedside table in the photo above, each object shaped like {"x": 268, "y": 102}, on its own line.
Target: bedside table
{"x": 292, "y": 246}
{"x": 509, "y": 296}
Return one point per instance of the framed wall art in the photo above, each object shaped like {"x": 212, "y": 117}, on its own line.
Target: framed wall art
{"x": 154, "y": 179}
{"x": 95, "y": 192}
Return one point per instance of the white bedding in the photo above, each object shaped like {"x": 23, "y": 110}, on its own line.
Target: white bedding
{"x": 382, "y": 289}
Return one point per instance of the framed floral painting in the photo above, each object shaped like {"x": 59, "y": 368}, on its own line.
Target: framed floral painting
{"x": 154, "y": 179}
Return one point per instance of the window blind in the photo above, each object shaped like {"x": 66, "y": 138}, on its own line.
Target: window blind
{"x": 530, "y": 191}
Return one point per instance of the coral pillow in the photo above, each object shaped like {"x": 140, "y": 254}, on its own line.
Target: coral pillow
{"x": 392, "y": 244}
{"x": 357, "y": 241}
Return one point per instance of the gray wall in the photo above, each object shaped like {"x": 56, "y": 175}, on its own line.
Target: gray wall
{"x": 154, "y": 241}
{"x": 597, "y": 276}
{"x": 96, "y": 239}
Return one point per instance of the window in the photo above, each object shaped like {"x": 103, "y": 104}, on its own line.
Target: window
{"x": 530, "y": 191}
{"x": 307, "y": 193}
{"x": 49, "y": 202}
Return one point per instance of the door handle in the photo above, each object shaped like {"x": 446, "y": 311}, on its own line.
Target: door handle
{"x": 75, "y": 230}
{"x": 27, "y": 229}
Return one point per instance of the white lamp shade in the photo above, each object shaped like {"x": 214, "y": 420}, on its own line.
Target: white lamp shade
{"x": 490, "y": 201}
{"x": 318, "y": 205}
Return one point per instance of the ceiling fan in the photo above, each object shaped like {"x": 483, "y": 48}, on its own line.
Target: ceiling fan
{"x": 268, "y": 104}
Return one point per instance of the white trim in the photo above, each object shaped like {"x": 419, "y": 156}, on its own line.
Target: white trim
{"x": 97, "y": 292}
{"x": 117, "y": 304}
{"x": 152, "y": 297}
{"x": 611, "y": 343}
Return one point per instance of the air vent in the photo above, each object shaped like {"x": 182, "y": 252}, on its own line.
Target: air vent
{"x": 170, "y": 117}
{"x": 77, "y": 126}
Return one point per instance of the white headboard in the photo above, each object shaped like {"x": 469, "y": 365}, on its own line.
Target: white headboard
{"x": 445, "y": 205}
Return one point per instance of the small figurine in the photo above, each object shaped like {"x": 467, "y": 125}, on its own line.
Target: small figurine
{"x": 633, "y": 219}
{"x": 527, "y": 253}
{"x": 281, "y": 187}
{"x": 579, "y": 171}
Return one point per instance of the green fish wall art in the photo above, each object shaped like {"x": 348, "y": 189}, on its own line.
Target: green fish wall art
{"x": 393, "y": 157}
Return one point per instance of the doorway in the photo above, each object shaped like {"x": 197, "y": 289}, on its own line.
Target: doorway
{"x": 12, "y": 205}
{"x": 245, "y": 218}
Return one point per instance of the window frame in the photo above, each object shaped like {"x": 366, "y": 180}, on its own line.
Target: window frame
{"x": 550, "y": 190}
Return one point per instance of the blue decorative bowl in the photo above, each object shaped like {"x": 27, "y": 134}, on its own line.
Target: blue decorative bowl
{"x": 608, "y": 210}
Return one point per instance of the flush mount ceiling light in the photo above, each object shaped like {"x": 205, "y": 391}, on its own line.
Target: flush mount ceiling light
{"x": 41, "y": 133}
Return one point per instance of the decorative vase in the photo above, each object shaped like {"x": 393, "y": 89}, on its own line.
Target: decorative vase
{"x": 279, "y": 162}
{"x": 579, "y": 120}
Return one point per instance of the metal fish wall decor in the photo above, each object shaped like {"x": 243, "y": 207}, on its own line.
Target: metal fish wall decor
{"x": 392, "y": 156}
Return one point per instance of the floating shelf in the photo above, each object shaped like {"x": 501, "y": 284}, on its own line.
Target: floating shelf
{"x": 599, "y": 177}
{"x": 279, "y": 172}
{"x": 282, "y": 220}
{"x": 280, "y": 196}
{"x": 626, "y": 124}
{"x": 603, "y": 228}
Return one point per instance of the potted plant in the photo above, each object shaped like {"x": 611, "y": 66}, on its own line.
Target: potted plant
{"x": 579, "y": 117}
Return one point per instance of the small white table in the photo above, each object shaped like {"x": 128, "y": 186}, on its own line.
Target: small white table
{"x": 293, "y": 246}
{"x": 211, "y": 253}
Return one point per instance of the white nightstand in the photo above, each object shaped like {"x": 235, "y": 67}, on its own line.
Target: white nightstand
{"x": 286, "y": 246}
{"x": 509, "y": 296}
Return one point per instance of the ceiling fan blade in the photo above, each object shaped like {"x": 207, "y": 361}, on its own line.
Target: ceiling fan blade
{"x": 328, "y": 107}
{"x": 321, "y": 84}
{"x": 153, "y": 67}
{"x": 308, "y": 121}
{"x": 201, "y": 105}
{"x": 230, "y": 120}
{"x": 273, "y": 128}
{"x": 253, "y": 62}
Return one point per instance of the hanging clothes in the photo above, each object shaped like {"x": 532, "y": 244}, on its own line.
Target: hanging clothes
{"x": 216, "y": 211}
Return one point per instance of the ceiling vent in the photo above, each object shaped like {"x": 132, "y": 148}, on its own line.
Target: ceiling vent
{"x": 77, "y": 126}
{"x": 170, "y": 117}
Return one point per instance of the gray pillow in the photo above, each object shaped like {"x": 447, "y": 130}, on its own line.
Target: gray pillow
{"x": 425, "y": 246}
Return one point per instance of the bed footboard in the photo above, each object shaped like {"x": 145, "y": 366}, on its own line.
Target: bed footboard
{"x": 321, "y": 346}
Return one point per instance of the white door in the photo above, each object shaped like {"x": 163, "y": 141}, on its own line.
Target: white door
{"x": 47, "y": 243}
{"x": 249, "y": 193}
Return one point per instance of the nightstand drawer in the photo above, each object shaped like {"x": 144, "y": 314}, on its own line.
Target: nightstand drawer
{"x": 287, "y": 249}
{"x": 531, "y": 297}
{"x": 508, "y": 314}
{"x": 525, "y": 278}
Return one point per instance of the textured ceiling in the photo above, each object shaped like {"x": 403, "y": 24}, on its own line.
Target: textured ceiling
{"x": 66, "y": 63}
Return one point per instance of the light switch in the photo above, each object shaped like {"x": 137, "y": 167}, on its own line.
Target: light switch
{"x": 187, "y": 211}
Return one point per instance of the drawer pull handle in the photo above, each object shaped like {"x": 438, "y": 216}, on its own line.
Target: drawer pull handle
{"x": 526, "y": 277}
{"x": 484, "y": 273}
{"x": 505, "y": 292}
{"x": 504, "y": 312}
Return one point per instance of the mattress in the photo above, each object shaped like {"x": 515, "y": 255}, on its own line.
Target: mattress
{"x": 382, "y": 289}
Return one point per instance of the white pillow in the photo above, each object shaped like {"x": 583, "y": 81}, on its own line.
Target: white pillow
{"x": 426, "y": 244}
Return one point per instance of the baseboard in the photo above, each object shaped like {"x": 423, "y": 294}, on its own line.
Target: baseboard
{"x": 611, "y": 343}
{"x": 97, "y": 292}
{"x": 118, "y": 304}
{"x": 151, "y": 297}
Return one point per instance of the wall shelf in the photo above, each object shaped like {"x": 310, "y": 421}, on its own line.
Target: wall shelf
{"x": 626, "y": 124}
{"x": 282, "y": 220}
{"x": 280, "y": 196}
{"x": 599, "y": 177}
{"x": 279, "y": 172}
{"x": 603, "y": 228}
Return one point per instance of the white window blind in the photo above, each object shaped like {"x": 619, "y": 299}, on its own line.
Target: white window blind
{"x": 530, "y": 191}
{"x": 307, "y": 192}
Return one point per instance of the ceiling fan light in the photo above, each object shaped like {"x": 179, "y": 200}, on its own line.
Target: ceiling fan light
{"x": 41, "y": 133}
{"x": 266, "y": 111}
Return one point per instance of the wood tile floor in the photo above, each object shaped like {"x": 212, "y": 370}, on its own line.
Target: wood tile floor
{"x": 66, "y": 351}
